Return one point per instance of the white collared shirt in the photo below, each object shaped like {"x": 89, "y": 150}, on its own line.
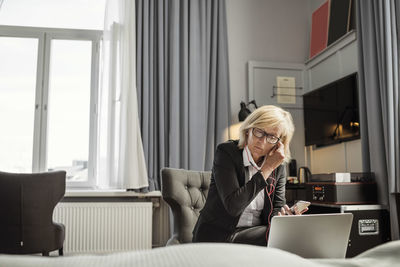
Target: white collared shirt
{"x": 251, "y": 214}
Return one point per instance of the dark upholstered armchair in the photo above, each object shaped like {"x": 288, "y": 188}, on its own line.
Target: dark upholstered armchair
{"x": 185, "y": 192}
{"x": 27, "y": 202}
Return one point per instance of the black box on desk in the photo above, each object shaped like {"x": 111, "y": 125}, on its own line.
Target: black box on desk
{"x": 294, "y": 192}
{"x": 370, "y": 227}
{"x": 341, "y": 193}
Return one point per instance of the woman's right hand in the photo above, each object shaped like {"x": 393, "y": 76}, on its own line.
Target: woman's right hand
{"x": 274, "y": 158}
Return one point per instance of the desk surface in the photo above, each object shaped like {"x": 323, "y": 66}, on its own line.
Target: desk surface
{"x": 350, "y": 207}
{"x": 295, "y": 186}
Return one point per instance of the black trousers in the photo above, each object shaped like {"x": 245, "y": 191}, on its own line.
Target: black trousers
{"x": 205, "y": 232}
{"x": 255, "y": 235}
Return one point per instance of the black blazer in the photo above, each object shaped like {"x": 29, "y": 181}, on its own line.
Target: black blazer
{"x": 230, "y": 194}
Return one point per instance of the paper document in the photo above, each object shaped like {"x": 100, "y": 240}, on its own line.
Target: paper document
{"x": 286, "y": 90}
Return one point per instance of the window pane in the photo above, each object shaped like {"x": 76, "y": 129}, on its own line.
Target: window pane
{"x": 69, "y": 108}
{"x": 71, "y": 14}
{"x": 18, "y": 59}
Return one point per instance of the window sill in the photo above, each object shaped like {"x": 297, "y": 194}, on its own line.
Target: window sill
{"x": 110, "y": 193}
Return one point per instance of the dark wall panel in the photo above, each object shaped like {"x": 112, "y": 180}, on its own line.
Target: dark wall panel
{"x": 338, "y": 19}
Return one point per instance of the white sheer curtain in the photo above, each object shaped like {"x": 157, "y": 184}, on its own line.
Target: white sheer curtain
{"x": 120, "y": 157}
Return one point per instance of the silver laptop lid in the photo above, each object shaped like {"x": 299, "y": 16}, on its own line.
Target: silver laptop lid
{"x": 312, "y": 236}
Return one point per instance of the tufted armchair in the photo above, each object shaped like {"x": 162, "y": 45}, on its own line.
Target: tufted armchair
{"x": 185, "y": 192}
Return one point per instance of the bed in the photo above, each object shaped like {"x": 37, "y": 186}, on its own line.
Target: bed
{"x": 208, "y": 254}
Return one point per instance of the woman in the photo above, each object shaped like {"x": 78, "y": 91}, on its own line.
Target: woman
{"x": 248, "y": 181}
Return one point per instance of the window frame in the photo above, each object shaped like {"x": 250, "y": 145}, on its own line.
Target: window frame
{"x": 44, "y": 37}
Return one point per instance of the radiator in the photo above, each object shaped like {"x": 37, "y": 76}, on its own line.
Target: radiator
{"x": 161, "y": 224}
{"x": 105, "y": 227}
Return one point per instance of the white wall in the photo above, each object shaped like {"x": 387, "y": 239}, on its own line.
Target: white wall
{"x": 343, "y": 157}
{"x": 264, "y": 30}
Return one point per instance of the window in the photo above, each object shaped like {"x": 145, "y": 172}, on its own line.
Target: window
{"x": 71, "y": 14}
{"x": 69, "y": 90}
{"x": 18, "y": 67}
{"x": 48, "y": 96}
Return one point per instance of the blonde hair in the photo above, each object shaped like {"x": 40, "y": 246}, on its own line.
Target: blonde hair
{"x": 265, "y": 117}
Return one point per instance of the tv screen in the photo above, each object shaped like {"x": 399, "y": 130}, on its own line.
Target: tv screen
{"x": 331, "y": 113}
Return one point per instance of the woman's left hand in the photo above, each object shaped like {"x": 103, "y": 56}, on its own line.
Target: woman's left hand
{"x": 285, "y": 210}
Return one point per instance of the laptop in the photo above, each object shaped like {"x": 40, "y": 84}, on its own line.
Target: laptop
{"x": 312, "y": 236}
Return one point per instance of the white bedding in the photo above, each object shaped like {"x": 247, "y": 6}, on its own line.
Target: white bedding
{"x": 211, "y": 254}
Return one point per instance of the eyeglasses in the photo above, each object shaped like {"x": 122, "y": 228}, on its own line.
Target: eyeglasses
{"x": 272, "y": 139}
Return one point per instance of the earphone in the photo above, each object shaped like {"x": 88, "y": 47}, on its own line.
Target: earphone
{"x": 270, "y": 201}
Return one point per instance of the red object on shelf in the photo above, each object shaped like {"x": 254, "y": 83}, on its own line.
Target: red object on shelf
{"x": 319, "y": 29}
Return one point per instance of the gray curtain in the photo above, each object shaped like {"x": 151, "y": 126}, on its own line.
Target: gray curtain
{"x": 182, "y": 82}
{"x": 378, "y": 39}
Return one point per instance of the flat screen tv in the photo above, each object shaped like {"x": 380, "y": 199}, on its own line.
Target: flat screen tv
{"x": 331, "y": 113}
